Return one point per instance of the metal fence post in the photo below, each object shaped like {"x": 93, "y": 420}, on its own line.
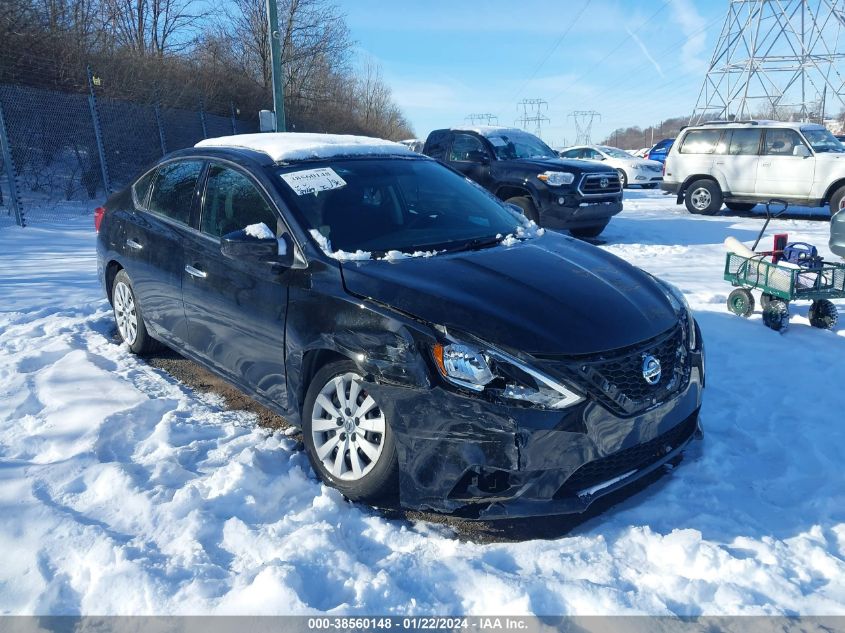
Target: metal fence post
{"x": 202, "y": 120}
{"x": 234, "y": 121}
{"x": 98, "y": 134}
{"x": 161, "y": 137}
{"x": 14, "y": 198}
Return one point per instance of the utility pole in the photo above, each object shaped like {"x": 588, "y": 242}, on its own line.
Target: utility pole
{"x": 276, "y": 65}
{"x": 775, "y": 58}
{"x": 484, "y": 118}
{"x": 531, "y": 113}
{"x": 583, "y": 125}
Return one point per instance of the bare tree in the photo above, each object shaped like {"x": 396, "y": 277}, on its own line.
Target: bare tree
{"x": 154, "y": 27}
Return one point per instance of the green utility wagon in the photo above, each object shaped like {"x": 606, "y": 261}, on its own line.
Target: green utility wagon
{"x": 780, "y": 285}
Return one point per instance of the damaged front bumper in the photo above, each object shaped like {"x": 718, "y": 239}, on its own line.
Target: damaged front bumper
{"x": 468, "y": 456}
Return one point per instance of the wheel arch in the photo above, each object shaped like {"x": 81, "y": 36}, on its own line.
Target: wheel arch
{"x": 112, "y": 268}
{"x": 828, "y": 194}
{"x": 691, "y": 179}
{"x": 505, "y": 192}
{"x": 313, "y": 361}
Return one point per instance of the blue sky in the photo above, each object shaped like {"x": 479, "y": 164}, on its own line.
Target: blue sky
{"x": 634, "y": 61}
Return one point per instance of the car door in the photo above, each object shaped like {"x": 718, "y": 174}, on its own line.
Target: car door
{"x": 786, "y": 167}
{"x": 235, "y": 309}
{"x": 737, "y": 165}
{"x": 468, "y": 155}
{"x": 153, "y": 248}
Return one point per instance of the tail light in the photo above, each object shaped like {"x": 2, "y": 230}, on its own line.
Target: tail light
{"x": 99, "y": 212}
{"x": 664, "y": 168}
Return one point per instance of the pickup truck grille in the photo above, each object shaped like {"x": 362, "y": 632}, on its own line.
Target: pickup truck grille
{"x": 599, "y": 184}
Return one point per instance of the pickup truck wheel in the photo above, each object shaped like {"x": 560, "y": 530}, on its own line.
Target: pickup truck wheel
{"x": 703, "y": 197}
{"x": 623, "y": 178}
{"x": 589, "y": 231}
{"x": 347, "y": 434}
{"x": 837, "y": 200}
{"x": 527, "y": 205}
{"x": 740, "y": 207}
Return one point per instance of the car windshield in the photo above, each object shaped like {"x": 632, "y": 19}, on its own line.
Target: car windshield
{"x": 615, "y": 153}
{"x": 512, "y": 144}
{"x": 378, "y": 205}
{"x": 822, "y": 140}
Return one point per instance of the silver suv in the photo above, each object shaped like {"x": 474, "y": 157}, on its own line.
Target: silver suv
{"x": 742, "y": 163}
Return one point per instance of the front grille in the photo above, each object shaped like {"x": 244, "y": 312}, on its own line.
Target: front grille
{"x": 591, "y": 184}
{"x": 626, "y": 460}
{"x": 616, "y": 379}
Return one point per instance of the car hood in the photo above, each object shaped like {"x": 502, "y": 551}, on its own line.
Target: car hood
{"x": 547, "y": 295}
{"x": 561, "y": 164}
{"x": 829, "y": 156}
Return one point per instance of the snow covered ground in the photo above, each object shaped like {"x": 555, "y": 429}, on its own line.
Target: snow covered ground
{"x": 124, "y": 492}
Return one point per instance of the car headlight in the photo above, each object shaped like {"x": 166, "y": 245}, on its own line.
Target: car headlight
{"x": 681, "y": 305}
{"x": 501, "y": 375}
{"x": 557, "y": 178}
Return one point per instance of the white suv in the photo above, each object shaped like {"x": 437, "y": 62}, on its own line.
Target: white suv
{"x": 742, "y": 163}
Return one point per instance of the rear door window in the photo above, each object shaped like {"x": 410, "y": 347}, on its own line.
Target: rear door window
{"x": 744, "y": 142}
{"x": 233, "y": 202}
{"x": 173, "y": 189}
{"x": 466, "y": 147}
{"x": 701, "y": 142}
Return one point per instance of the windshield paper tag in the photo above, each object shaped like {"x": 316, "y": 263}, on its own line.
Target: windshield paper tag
{"x": 313, "y": 180}
{"x": 497, "y": 141}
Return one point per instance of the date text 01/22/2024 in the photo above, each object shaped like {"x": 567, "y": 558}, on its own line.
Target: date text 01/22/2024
{"x": 420, "y": 623}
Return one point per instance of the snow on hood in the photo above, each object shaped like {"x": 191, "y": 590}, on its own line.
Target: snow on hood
{"x": 285, "y": 146}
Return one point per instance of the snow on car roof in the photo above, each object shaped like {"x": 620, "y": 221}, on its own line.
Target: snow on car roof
{"x": 286, "y": 146}
{"x": 486, "y": 130}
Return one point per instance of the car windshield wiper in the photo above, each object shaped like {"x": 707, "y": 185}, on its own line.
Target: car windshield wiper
{"x": 475, "y": 244}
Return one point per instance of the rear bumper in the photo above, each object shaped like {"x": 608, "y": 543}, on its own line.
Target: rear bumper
{"x": 464, "y": 455}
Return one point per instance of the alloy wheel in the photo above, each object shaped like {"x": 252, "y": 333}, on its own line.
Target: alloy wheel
{"x": 347, "y": 428}
{"x": 125, "y": 313}
{"x": 701, "y": 198}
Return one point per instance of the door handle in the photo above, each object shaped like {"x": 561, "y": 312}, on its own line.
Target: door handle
{"x": 134, "y": 245}
{"x": 769, "y": 164}
{"x": 196, "y": 272}
{"x": 720, "y": 162}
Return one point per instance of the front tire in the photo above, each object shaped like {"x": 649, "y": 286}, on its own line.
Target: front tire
{"x": 703, "y": 197}
{"x": 740, "y": 207}
{"x": 741, "y": 302}
{"x": 589, "y": 231}
{"x": 128, "y": 316}
{"x": 347, "y": 435}
{"x": 837, "y": 201}
{"x": 527, "y": 205}
{"x": 623, "y": 178}
{"x": 776, "y": 315}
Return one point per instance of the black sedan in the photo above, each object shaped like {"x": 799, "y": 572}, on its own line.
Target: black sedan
{"x": 428, "y": 339}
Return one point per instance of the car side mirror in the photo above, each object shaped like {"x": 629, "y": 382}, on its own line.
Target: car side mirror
{"x": 478, "y": 156}
{"x": 801, "y": 150}
{"x": 244, "y": 246}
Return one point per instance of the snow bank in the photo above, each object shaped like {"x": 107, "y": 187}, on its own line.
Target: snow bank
{"x": 287, "y": 146}
{"x": 124, "y": 492}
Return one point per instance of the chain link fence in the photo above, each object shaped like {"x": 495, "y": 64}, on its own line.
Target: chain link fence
{"x": 63, "y": 153}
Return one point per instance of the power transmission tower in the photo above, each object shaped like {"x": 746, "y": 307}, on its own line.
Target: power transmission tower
{"x": 485, "y": 118}
{"x": 532, "y": 113}
{"x": 584, "y": 125}
{"x": 779, "y": 59}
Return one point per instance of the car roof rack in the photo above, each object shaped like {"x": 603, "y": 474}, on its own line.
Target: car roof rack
{"x": 746, "y": 121}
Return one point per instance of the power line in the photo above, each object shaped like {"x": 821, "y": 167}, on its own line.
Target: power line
{"x": 557, "y": 43}
{"x": 618, "y": 46}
